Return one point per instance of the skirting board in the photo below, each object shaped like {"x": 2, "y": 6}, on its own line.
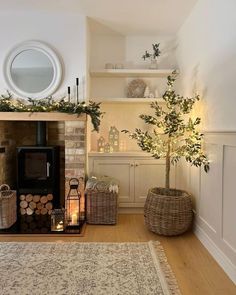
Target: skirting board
{"x": 218, "y": 255}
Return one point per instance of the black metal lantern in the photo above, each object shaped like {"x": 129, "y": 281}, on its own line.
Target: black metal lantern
{"x": 73, "y": 203}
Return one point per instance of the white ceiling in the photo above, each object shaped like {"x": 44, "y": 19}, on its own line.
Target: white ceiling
{"x": 124, "y": 16}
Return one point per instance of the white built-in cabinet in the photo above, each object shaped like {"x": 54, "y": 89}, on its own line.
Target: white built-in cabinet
{"x": 136, "y": 174}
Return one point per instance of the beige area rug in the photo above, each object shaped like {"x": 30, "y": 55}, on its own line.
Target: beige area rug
{"x": 85, "y": 269}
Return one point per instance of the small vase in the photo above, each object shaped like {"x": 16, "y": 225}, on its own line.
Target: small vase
{"x": 153, "y": 65}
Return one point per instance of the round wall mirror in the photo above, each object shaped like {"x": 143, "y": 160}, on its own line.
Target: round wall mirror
{"x": 32, "y": 69}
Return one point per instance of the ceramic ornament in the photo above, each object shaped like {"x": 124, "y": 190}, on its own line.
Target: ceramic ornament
{"x": 114, "y": 138}
{"x": 108, "y": 148}
{"x": 157, "y": 94}
{"x": 101, "y": 144}
{"x": 147, "y": 92}
{"x": 151, "y": 95}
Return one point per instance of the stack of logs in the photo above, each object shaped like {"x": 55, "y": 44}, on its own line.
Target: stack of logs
{"x": 40, "y": 205}
{"x": 36, "y": 224}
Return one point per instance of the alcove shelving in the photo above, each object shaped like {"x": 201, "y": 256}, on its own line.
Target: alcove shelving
{"x": 135, "y": 170}
{"x": 131, "y": 73}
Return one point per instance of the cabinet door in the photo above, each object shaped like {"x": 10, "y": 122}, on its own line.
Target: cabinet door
{"x": 123, "y": 171}
{"x": 148, "y": 174}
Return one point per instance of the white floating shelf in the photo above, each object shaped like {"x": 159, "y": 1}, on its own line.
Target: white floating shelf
{"x": 128, "y": 100}
{"x": 130, "y": 73}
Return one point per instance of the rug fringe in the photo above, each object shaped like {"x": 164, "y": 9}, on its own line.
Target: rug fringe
{"x": 165, "y": 268}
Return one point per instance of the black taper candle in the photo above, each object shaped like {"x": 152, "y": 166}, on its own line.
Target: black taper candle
{"x": 77, "y": 90}
{"x": 68, "y": 93}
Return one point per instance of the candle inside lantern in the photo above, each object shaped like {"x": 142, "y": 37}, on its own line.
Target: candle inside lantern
{"x": 74, "y": 218}
{"x": 58, "y": 220}
{"x": 60, "y": 226}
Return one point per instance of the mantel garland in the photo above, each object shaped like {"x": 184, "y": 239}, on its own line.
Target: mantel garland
{"x": 9, "y": 104}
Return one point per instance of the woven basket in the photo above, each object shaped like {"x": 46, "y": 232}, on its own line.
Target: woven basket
{"x": 170, "y": 214}
{"x": 7, "y": 207}
{"x": 101, "y": 207}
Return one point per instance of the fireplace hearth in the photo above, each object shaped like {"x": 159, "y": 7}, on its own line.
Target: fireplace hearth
{"x": 64, "y": 138}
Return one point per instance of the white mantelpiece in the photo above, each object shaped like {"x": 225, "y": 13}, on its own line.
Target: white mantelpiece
{"x": 53, "y": 116}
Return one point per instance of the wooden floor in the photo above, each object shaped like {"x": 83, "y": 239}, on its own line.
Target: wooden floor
{"x": 196, "y": 271}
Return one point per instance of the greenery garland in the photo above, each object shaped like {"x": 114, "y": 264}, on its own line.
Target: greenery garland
{"x": 9, "y": 104}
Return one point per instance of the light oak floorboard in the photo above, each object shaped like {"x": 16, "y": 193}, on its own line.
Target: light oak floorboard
{"x": 196, "y": 271}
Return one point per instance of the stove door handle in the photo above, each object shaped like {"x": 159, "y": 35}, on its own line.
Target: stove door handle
{"x": 48, "y": 169}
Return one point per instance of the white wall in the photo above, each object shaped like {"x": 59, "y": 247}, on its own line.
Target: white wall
{"x": 206, "y": 54}
{"x": 65, "y": 32}
{"x": 207, "y": 63}
{"x": 136, "y": 45}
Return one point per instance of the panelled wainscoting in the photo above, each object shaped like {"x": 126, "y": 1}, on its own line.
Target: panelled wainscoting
{"x": 214, "y": 196}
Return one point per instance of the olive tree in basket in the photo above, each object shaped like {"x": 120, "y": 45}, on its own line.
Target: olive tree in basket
{"x": 174, "y": 136}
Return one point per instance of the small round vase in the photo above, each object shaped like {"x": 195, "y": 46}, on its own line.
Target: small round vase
{"x": 153, "y": 64}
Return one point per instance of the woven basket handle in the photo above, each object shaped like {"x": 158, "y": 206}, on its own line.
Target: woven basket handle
{"x": 4, "y": 187}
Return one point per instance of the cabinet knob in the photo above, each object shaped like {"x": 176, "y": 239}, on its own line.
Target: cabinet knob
{"x": 131, "y": 165}
{"x": 136, "y": 165}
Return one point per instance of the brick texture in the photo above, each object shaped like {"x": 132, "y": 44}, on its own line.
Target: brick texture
{"x": 69, "y": 135}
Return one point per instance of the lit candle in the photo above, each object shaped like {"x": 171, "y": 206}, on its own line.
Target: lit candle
{"x": 74, "y": 218}
{"x": 60, "y": 226}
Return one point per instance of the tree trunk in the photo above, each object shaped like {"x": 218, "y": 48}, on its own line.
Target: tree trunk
{"x": 168, "y": 167}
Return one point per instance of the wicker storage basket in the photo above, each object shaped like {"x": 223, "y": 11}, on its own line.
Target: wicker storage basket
{"x": 170, "y": 214}
{"x": 7, "y": 206}
{"x": 101, "y": 201}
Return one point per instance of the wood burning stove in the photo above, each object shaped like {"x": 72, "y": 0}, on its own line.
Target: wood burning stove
{"x": 38, "y": 170}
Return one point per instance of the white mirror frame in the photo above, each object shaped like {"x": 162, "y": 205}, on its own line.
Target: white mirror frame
{"x": 33, "y": 45}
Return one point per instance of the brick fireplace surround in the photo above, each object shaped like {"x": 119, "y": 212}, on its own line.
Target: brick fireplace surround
{"x": 64, "y": 130}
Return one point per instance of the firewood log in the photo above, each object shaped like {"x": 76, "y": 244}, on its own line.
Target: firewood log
{"x": 32, "y": 225}
{"x": 43, "y": 199}
{"x": 48, "y": 206}
{"x": 22, "y": 211}
{"x": 23, "y": 204}
{"x": 49, "y": 212}
{"x": 29, "y": 198}
{"x": 38, "y": 212}
{"x": 29, "y": 218}
{"x": 39, "y": 206}
{"x": 36, "y": 198}
{"x": 24, "y": 226}
{"x": 32, "y": 205}
{"x": 49, "y": 197}
{"x": 22, "y": 197}
{"x": 29, "y": 211}
{"x": 44, "y": 211}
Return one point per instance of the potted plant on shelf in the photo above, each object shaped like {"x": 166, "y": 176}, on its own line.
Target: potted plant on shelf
{"x": 153, "y": 56}
{"x": 174, "y": 136}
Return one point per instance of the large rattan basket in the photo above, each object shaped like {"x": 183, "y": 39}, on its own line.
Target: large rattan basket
{"x": 101, "y": 200}
{"x": 169, "y": 213}
{"x": 7, "y": 207}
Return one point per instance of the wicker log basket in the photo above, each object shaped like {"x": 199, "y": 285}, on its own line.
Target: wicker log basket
{"x": 170, "y": 214}
{"x": 7, "y": 206}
